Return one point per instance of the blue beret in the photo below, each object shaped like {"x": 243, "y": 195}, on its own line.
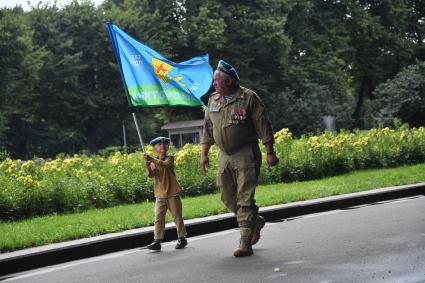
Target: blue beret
{"x": 159, "y": 139}
{"x": 228, "y": 69}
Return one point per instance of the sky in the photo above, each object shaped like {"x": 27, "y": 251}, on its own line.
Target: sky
{"x": 25, "y": 6}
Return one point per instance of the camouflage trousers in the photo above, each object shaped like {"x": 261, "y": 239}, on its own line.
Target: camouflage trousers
{"x": 237, "y": 177}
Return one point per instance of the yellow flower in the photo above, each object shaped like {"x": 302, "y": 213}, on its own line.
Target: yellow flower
{"x": 28, "y": 181}
{"x": 71, "y": 161}
{"x": 27, "y": 165}
{"x": 80, "y": 173}
{"x": 357, "y": 144}
{"x": 313, "y": 143}
{"x": 115, "y": 159}
{"x": 283, "y": 135}
{"x": 329, "y": 145}
{"x": 54, "y": 165}
{"x": 189, "y": 152}
{"x": 149, "y": 150}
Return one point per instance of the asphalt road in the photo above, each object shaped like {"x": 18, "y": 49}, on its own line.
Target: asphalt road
{"x": 384, "y": 242}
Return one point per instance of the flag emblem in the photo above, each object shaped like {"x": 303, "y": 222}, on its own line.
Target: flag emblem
{"x": 161, "y": 70}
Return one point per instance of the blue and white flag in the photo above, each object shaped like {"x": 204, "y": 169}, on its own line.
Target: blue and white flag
{"x": 151, "y": 80}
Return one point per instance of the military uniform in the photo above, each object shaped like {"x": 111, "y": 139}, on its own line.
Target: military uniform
{"x": 235, "y": 126}
{"x": 167, "y": 194}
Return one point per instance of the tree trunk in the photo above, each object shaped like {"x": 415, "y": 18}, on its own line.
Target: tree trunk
{"x": 71, "y": 149}
{"x": 91, "y": 135}
{"x": 365, "y": 90}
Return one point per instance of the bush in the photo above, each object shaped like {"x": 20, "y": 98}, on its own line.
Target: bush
{"x": 66, "y": 185}
{"x": 3, "y": 154}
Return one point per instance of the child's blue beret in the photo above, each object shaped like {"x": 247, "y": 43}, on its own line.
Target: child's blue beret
{"x": 159, "y": 139}
{"x": 228, "y": 69}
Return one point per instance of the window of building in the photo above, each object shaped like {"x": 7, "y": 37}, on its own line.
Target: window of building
{"x": 175, "y": 139}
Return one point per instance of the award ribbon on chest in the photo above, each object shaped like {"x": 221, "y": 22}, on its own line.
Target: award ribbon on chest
{"x": 238, "y": 115}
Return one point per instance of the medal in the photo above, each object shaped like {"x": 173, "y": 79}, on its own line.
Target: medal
{"x": 239, "y": 114}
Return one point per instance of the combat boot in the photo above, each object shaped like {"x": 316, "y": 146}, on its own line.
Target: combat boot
{"x": 245, "y": 248}
{"x": 259, "y": 224}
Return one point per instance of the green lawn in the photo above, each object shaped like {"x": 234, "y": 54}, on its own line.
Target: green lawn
{"x": 56, "y": 228}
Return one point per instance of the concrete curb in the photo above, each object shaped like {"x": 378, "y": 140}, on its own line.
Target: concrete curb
{"x": 72, "y": 250}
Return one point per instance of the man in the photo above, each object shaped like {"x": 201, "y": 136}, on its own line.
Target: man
{"x": 234, "y": 120}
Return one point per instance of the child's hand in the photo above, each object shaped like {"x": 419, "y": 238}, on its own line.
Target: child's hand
{"x": 147, "y": 158}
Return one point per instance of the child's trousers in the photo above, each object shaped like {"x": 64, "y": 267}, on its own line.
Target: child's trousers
{"x": 174, "y": 204}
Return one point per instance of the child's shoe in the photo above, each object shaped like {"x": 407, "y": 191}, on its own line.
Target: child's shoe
{"x": 181, "y": 243}
{"x": 155, "y": 245}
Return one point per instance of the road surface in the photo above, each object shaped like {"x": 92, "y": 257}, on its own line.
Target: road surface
{"x": 383, "y": 242}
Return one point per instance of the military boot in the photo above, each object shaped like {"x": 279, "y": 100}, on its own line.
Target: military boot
{"x": 245, "y": 248}
{"x": 259, "y": 224}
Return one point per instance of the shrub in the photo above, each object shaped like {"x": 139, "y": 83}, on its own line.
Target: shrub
{"x": 66, "y": 185}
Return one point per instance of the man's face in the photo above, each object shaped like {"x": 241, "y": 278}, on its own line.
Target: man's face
{"x": 221, "y": 84}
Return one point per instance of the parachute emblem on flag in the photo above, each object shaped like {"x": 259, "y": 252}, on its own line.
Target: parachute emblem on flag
{"x": 161, "y": 70}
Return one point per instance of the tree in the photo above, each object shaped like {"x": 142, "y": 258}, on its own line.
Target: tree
{"x": 80, "y": 94}
{"x": 381, "y": 48}
{"x": 21, "y": 60}
{"x": 402, "y": 97}
{"x": 303, "y": 110}
{"x": 316, "y": 80}
{"x": 416, "y": 27}
{"x": 61, "y": 91}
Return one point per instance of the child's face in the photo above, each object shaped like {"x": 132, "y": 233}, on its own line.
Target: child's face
{"x": 161, "y": 148}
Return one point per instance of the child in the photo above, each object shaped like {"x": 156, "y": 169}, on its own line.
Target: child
{"x": 167, "y": 193}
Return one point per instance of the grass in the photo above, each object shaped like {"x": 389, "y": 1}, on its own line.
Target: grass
{"x": 56, "y": 228}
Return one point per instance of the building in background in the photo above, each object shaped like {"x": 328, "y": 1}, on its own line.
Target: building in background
{"x": 183, "y": 132}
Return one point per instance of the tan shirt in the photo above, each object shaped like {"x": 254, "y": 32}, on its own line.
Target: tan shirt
{"x": 165, "y": 181}
{"x": 235, "y": 123}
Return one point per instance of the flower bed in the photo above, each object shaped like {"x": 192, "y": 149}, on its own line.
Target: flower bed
{"x": 66, "y": 185}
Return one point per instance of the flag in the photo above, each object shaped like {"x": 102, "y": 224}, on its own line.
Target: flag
{"x": 151, "y": 80}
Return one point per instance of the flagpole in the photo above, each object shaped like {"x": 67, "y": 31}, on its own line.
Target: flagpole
{"x": 124, "y": 135}
{"x": 138, "y": 132}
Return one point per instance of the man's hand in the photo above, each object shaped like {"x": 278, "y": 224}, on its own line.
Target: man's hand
{"x": 205, "y": 161}
{"x": 272, "y": 159}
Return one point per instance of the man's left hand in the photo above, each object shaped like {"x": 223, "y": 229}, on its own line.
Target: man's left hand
{"x": 272, "y": 159}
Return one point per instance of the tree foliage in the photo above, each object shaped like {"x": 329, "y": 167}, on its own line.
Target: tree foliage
{"x": 60, "y": 88}
{"x": 402, "y": 97}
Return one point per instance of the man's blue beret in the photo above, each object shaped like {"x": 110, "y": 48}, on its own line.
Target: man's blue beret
{"x": 159, "y": 139}
{"x": 228, "y": 69}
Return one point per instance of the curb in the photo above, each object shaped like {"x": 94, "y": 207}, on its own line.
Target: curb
{"x": 37, "y": 257}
